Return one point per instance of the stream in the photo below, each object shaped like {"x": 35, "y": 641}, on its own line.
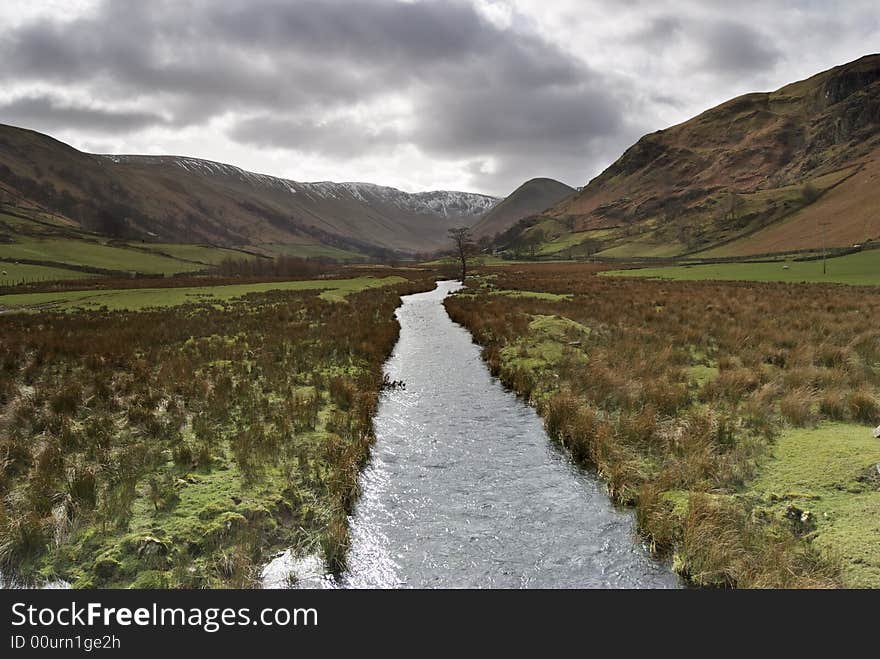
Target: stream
{"x": 466, "y": 490}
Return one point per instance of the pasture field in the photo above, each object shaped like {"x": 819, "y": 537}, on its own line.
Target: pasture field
{"x": 32, "y": 236}
{"x": 861, "y": 268}
{"x": 31, "y": 223}
{"x": 736, "y": 417}
{"x": 94, "y": 254}
{"x": 135, "y": 299}
{"x": 204, "y": 254}
{"x": 13, "y": 274}
{"x": 180, "y": 449}
{"x": 646, "y": 245}
{"x": 314, "y": 251}
{"x": 569, "y": 240}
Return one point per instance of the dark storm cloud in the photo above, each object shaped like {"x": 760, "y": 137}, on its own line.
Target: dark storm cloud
{"x": 51, "y": 113}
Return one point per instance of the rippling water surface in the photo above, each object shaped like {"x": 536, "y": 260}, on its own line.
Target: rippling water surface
{"x": 465, "y": 489}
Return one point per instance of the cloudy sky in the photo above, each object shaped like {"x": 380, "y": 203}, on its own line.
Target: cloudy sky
{"x": 471, "y": 95}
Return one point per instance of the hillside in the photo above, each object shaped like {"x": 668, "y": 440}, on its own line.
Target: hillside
{"x": 533, "y": 196}
{"x": 765, "y": 172}
{"x": 187, "y": 200}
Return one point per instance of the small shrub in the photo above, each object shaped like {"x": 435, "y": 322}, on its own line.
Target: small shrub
{"x": 863, "y": 407}
{"x": 797, "y": 407}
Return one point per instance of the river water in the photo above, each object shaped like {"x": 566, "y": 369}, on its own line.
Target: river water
{"x": 465, "y": 489}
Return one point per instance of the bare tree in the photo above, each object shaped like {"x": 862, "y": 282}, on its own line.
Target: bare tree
{"x": 463, "y": 247}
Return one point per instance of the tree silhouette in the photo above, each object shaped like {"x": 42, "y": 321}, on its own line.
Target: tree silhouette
{"x": 464, "y": 248}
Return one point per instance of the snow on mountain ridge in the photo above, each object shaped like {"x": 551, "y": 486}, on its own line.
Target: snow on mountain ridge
{"x": 446, "y": 203}
{"x": 435, "y": 202}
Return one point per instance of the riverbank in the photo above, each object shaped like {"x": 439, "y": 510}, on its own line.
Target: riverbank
{"x": 683, "y": 396}
{"x": 182, "y": 447}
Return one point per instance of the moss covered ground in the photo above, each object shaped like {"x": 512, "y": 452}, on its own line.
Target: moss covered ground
{"x": 180, "y": 447}
{"x": 829, "y": 476}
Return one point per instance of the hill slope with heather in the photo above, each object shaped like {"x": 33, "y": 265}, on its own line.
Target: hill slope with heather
{"x": 764, "y": 172}
{"x": 175, "y": 199}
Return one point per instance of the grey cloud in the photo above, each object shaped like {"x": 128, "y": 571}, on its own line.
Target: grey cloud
{"x": 50, "y": 113}
{"x": 171, "y": 48}
{"x": 506, "y": 120}
{"x": 660, "y": 30}
{"x": 736, "y": 48}
{"x": 338, "y": 138}
{"x": 383, "y": 31}
{"x": 273, "y": 54}
{"x": 728, "y": 46}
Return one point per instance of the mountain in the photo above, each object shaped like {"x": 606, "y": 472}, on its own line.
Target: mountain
{"x": 530, "y": 198}
{"x": 793, "y": 169}
{"x": 176, "y": 199}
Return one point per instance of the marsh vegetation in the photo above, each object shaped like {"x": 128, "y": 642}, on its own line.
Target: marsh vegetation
{"x": 176, "y": 447}
{"x": 680, "y": 395}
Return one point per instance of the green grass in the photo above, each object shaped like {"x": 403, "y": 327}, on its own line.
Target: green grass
{"x": 16, "y": 223}
{"x": 314, "y": 251}
{"x": 570, "y": 240}
{"x": 553, "y": 297}
{"x": 94, "y": 254}
{"x": 830, "y": 471}
{"x": 701, "y": 374}
{"x": 32, "y": 226}
{"x": 206, "y": 254}
{"x": 559, "y": 328}
{"x": 203, "y": 513}
{"x": 481, "y": 260}
{"x": 12, "y": 274}
{"x": 548, "y": 341}
{"x": 862, "y": 268}
{"x": 549, "y": 227}
{"x": 334, "y": 290}
{"x": 642, "y": 247}
{"x": 488, "y": 260}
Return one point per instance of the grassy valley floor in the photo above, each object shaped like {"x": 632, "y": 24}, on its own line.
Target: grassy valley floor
{"x": 737, "y": 418}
